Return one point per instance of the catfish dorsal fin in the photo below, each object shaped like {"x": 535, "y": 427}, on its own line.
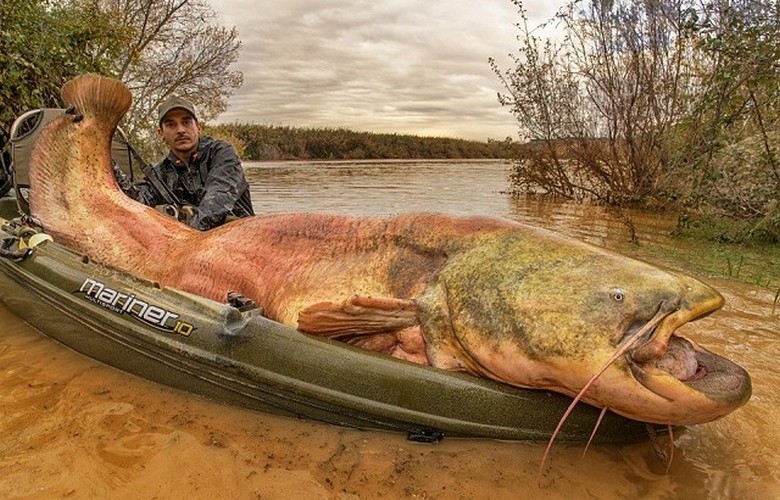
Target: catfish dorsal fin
{"x": 358, "y": 315}
{"x": 94, "y": 96}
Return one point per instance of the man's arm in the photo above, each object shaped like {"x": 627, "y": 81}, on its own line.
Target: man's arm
{"x": 224, "y": 185}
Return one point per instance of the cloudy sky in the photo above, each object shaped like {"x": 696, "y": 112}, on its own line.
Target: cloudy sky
{"x": 407, "y": 66}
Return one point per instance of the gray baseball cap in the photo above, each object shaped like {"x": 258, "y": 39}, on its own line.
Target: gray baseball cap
{"x": 173, "y": 103}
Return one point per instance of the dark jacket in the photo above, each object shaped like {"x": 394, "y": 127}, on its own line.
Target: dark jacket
{"x": 213, "y": 182}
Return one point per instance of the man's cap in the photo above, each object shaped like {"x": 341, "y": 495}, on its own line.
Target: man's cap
{"x": 173, "y": 103}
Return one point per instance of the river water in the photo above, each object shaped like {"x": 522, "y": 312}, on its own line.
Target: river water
{"x": 74, "y": 428}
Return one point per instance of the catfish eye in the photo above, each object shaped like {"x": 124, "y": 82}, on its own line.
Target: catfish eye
{"x": 617, "y": 295}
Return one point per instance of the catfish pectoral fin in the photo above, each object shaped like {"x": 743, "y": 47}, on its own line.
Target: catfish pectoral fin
{"x": 386, "y": 325}
{"x": 358, "y": 315}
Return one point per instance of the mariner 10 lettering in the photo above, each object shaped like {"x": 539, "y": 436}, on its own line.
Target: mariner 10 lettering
{"x": 124, "y": 303}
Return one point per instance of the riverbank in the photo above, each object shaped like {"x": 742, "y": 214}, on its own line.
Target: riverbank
{"x": 694, "y": 252}
{"x": 757, "y": 265}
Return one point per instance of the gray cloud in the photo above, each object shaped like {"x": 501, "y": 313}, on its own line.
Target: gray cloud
{"x": 384, "y": 66}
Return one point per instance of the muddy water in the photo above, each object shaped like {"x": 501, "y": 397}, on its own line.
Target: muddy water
{"x": 73, "y": 428}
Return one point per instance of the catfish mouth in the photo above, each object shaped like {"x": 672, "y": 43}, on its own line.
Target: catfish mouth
{"x": 680, "y": 371}
{"x": 719, "y": 379}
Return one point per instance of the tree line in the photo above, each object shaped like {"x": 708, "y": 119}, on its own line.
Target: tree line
{"x": 654, "y": 102}
{"x": 272, "y": 142}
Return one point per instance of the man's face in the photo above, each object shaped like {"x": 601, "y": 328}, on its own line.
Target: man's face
{"x": 180, "y": 131}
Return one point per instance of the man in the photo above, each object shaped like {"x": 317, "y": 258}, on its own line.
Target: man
{"x": 201, "y": 174}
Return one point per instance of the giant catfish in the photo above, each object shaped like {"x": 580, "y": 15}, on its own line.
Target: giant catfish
{"x": 481, "y": 295}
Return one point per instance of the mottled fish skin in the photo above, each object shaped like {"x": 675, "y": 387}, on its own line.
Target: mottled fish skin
{"x": 482, "y": 295}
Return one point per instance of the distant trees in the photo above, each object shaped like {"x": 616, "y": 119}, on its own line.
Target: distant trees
{"x": 263, "y": 142}
{"x": 653, "y": 101}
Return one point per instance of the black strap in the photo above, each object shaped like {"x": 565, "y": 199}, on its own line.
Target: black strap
{"x": 165, "y": 193}
{"x": 244, "y": 203}
{"x": 135, "y": 156}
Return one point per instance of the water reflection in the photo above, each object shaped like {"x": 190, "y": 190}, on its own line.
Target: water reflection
{"x": 378, "y": 188}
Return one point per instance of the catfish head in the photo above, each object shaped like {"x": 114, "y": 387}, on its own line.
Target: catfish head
{"x": 536, "y": 310}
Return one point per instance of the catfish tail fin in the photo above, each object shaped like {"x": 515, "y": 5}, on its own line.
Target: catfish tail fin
{"x": 94, "y": 96}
